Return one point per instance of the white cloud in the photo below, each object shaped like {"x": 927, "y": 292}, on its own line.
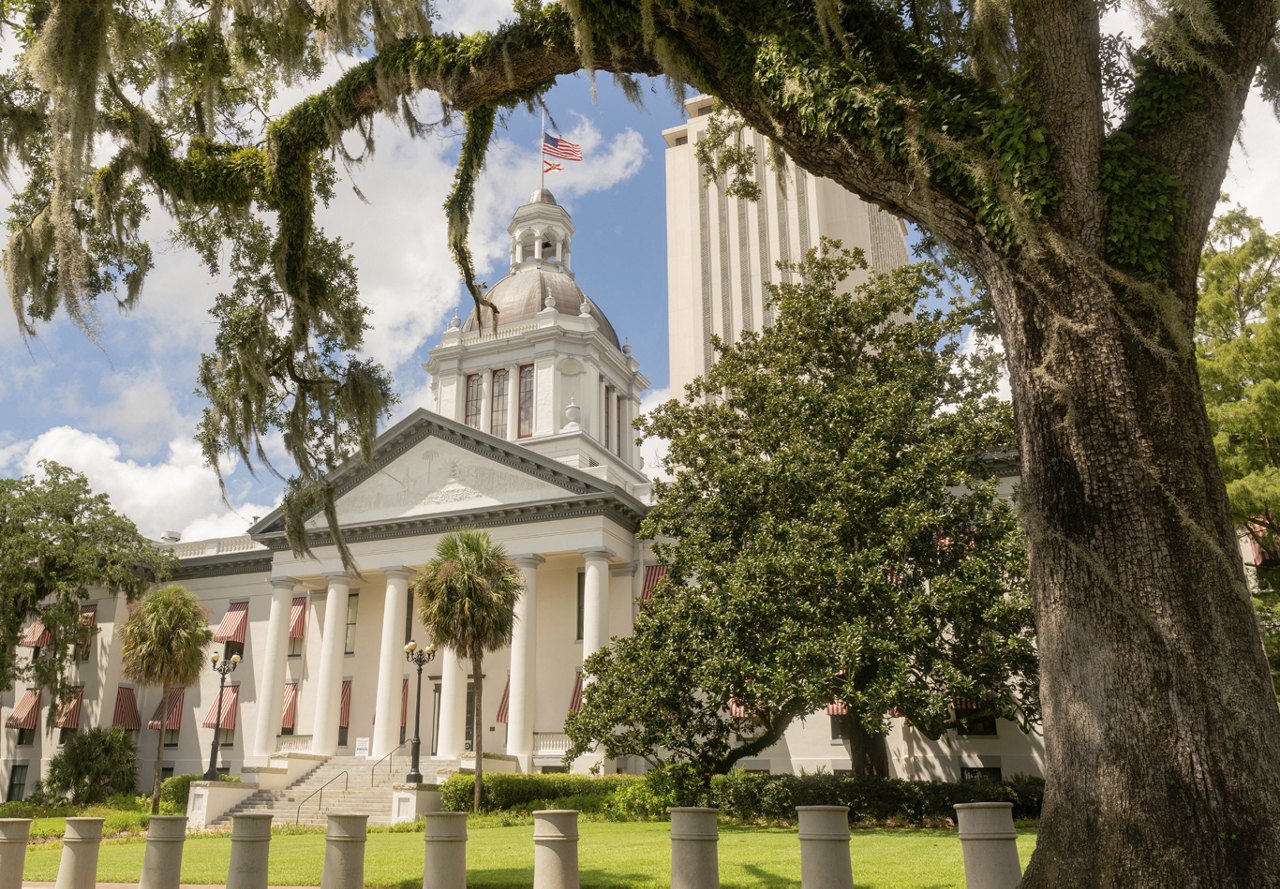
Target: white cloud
{"x": 653, "y": 449}
{"x": 1253, "y": 178}
{"x": 180, "y": 493}
{"x": 465, "y": 16}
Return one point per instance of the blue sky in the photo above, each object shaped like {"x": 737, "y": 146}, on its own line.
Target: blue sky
{"x": 122, "y": 410}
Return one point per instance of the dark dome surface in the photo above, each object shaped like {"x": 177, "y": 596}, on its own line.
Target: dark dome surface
{"x": 521, "y": 295}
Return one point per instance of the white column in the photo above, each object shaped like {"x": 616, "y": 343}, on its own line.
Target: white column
{"x": 523, "y": 660}
{"x": 453, "y": 706}
{"x": 386, "y": 721}
{"x": 271, "y": 680}
{"x": 595, "y": 602}
{"x": 324, "y": 726}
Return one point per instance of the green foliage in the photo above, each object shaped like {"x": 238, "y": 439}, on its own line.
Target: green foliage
{"x": 512, "y": 792}
{"x": 1238, "y": 353}
{"x": 466, "y": 598}
{"x": 827, "y": 483}
{"x": 174, "y": 791}
{"x": 58, "y": 541}
{"x": 669, "y": 785}
{"x": 94, "y": 765}
{"x": 751, "y": 797}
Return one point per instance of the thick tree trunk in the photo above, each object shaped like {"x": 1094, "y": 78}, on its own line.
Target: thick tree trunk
{"x": 868, "y": 753}
{"x": 477, "y": 724}
{"x": 1162, "y": 735}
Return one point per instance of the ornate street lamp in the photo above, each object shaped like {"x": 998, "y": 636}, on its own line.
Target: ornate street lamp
{"x": 222, "y": 669}
{"x": 420, "y": 657}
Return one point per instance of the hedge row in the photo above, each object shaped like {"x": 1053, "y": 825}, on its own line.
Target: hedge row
{"x": 507, "y": 792}
{"x": 746, "y": 797}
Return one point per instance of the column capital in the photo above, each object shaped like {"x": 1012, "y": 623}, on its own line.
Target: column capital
{"x": 399, "y": 571}
{"x": 282, "y": 582}
{"x": 337, "y": 578}
{"x": 528, "y": 560}
{"x": 596, "y": 552}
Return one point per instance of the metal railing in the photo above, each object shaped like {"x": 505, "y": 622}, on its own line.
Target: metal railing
{"x": 320, "y": 790}
{"x": 388, "y": 757}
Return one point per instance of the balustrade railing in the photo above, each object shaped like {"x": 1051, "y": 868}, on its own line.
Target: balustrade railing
{"x": 550, "y": 743}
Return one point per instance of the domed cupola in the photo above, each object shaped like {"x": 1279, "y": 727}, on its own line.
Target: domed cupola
{"x": 540, "y": 278}
{"x": 552, "y": 374}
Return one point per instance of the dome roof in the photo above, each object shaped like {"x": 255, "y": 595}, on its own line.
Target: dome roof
{"x": 523, "y": 293}
{"x": 541, "y": 196}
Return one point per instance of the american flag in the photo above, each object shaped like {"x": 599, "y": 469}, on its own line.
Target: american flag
{"x": 561, "y": 148}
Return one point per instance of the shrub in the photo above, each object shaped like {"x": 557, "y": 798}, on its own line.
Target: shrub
{"x": 174, "y": 792}
{"x": 675, "y": 784}
{"x": 506, "y": 792}
{"x": 93, "y": 765}
{"x": 774, "y": 797}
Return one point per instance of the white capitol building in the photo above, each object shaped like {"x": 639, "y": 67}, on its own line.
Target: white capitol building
{"x": 529, "y": 439}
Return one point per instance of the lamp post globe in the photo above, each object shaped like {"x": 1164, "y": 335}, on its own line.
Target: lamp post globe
{"x": 419, "y": 657}
{"x": 222, "y": 669}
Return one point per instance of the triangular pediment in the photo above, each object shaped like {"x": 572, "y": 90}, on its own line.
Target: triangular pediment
{"x": 427, "y": 467}
{"x": 435, "y": 477}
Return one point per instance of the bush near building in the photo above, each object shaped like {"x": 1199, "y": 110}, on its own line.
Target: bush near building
{"x": 747, "y": 797}
{"x": 174, "y": 792}
{"x": 94, "y": 765}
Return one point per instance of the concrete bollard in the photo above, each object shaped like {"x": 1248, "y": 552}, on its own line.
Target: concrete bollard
{"x": 990, "y": 845}
{"x": 446, "y": 853}
{"x": 14, "y": 833}
{"x": 344, "y": 852}
{"x": 162, "y": 860}
{"x": 79, "y": 866}
{"x": 694, "y": 842}
{"x": 555, "y": 849}
{"x": 824, "y": 847}
{"x": 250, "y": 848}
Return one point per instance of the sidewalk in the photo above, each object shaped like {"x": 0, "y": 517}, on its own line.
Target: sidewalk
{"x": 135, "y": 886}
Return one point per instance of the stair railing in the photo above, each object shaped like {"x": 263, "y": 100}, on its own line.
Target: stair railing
{"x": 387, "y": 757}
{"x": 320, "y": 790}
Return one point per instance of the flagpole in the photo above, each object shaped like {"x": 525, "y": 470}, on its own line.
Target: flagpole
{"x": 542, "y": 140}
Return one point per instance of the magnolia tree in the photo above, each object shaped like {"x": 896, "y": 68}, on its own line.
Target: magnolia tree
{"x": 1076, "y": 175}
{"x": 834, "y": 537}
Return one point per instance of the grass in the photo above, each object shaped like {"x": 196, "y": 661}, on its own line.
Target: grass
{"x": 610, "y": 855}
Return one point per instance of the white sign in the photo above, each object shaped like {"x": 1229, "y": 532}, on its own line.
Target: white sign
{"x": 362, "y": 747}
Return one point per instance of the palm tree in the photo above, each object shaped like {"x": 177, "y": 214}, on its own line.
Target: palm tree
{"x": 165, "y": 639}
{"x": 467, "y": 598}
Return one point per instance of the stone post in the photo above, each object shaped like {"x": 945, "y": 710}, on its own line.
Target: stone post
{"x": 824, "y": 847}
{"x": 162, "y": 860}
{"x": 446, "y": 853}
{"x": 693, "y": 849}
{"x": 14, "y": 833}
{"x": 990, "y": 845}
{"x": 555, "y": 849}
{"x": 250, "y": 846}
{"x": 79, "y": 866}
{"x": 344, "y": 852}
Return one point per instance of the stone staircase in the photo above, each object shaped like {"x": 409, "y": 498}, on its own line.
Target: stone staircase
{"x": 358, "y": 792}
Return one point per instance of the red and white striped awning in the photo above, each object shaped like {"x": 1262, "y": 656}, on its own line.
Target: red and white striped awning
{"x": 652, "y": 575}
{"x": 27, "y": 714}
{"x": 69, "y": 713}
{"x": 230, "y": 697}
{"x": 36, "y": 635}
{"x": 298, "y": 617}
{"x": 836, "y": 708}
{"x": 736, "y": 710}
{"x": 290, "y": 714}
{"x": 404, "y": 702}
{"x": 344, "y": 712}
{"x": 126, "y": 715}
{"x": 89, "y": 615}
{"x": 505, "y": 705}
{"x": 575, "y": 700}
{"x": 170, "y": 710}
{"x": 234, "y": 624}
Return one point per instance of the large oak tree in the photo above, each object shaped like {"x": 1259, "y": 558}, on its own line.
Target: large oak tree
{"x": 1077, "y": 179}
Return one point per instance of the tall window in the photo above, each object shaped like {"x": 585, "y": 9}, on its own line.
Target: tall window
{"x": 26, "y": 737}
{"x": 608, "y": 418}
{"x": 582, "y": 601}
{"x": 353, "y": 606}
{"x": 498, "y": 404}
{"x": 472, "y": 416}
{"x": 526, "y": 401}
{"x": 296, "y": 644}
{"x": 617, "y": 443}
{"x": 17, "y": 783}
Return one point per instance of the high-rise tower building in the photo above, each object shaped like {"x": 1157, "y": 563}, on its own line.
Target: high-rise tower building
{"x": 721, "y": 250}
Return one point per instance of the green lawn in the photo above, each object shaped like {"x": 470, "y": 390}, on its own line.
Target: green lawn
{"x": 610, "y": 854}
